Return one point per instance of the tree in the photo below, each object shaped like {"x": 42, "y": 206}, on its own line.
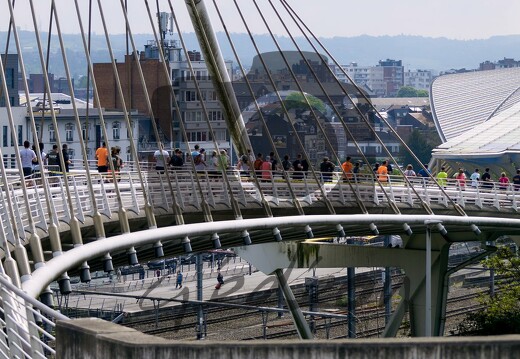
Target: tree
{"x": 422, "y": 93}
{"x": 501, "y": 313}
{"x": 296, "y": 101}
{"x": 407, "y": 91}
{"x": 420, "y": 146}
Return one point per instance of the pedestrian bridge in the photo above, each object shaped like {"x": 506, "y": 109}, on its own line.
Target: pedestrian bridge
{"x": 55, "y": 223}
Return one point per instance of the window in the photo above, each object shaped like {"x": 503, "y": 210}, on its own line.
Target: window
{"x": 116, "y": 130}
{"x": 38, "y": 131}
{"x": 220, "y": 135}
{"x": 128, "y": 134}
{"x": 9, "y": 78}
{"x": 69, "y": 132}
{"x": 20, "y": 135}
{"x": 5, "y": 138}
{"x": 85, "y": 131}
{"x": 190, "y": 96}
{"x": 197, "y": 136}
{"x": 215, "y": 115}
{"x": 52, "y": 134}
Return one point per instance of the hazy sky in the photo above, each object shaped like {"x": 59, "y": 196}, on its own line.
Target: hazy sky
{"x": 455, "y": 19}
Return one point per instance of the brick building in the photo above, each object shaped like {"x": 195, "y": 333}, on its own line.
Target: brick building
{"x": 157, "y": 85}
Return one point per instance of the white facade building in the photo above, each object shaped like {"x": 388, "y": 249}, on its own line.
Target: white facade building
{"x": 418, "y": 79}
{"x": 91, "y": 130}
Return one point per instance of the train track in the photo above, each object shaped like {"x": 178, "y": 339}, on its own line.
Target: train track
{"x": 268, "y": 298}
{"x": 186, "y": 319}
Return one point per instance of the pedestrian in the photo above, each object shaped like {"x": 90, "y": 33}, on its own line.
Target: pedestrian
{"x": 200, "y": 160}
{"x": 220, "y": 280}
{"x": 486, "y": 179}
{"x": 475, "y": 177}
{"x": 161, "y": 157}
{"x": 176, "y": 161}
{"x": 36, "y": 166}
{"x": 102, "y": 158}
{"x": 117, "y": 161}
{"x": 158, "y": 273}
{"x": 347, "y": 167}
{"x": 326, "y": 169}
{"x": 243, "y": 166}
{"x": 267, "y": 169}
{"x": 274, "y": 161}
{"x": 382, "y": 172}
{"x": 516, "y": 180}
{"x": 298, "y": 167}
{"x": 178, "y": 283}
{"x": 286, "y": 163}
{"x": 356, "y": 170}
{"x": 119, "y": 274}
{"x": 424, "y": 172}
{"x": 504, "y": 181}
{"x": 223, "y": 163}
{"x": 28, "y": 159}
{"x": 66, "y": 158}
{"x": 461, "y": 179}
{"x": 257, "y": 165}
{"x": 53, "y": 159}
{"x": 409, "y": 172}
{"x": 442, "y": 178}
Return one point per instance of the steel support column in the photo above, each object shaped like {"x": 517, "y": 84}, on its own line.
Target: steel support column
{"x": 299, "y": 320}
{"x": 219, "y": 75}
{"x": 200, "y": 309}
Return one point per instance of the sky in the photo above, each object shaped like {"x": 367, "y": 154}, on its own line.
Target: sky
{"x": 453, "y": 19}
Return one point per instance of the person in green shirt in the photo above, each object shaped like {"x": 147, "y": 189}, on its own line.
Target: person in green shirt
{"x": 223, "y": 161}
{"x": 442, "y": 178}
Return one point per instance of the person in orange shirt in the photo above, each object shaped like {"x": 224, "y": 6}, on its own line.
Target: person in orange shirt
{"x": 382, "y": 172}
{"x": 347, "y": 169}
{"x": 102, "y": 158}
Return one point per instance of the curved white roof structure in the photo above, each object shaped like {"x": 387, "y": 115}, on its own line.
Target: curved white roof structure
{"x": 477, "y": 116}
{"x": 462, "y": 101}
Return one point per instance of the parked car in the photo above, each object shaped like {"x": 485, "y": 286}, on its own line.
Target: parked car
{"x": 162, "y": 263}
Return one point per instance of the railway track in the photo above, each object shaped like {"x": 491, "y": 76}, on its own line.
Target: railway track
{"x": 185, "y": 319}
{"x": 328, "y": 293}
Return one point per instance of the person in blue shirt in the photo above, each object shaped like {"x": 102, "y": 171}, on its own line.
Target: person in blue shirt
{"x": 179, "y": 280}
{"x": 424, "y": 173}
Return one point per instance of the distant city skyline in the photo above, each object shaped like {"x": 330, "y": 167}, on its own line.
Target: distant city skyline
{"x": 462, "y": 19}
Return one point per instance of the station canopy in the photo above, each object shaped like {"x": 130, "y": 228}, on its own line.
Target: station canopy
{"x": 477, "y": 116}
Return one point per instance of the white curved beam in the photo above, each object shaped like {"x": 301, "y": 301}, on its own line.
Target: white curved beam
{"x": 43, "y": 276}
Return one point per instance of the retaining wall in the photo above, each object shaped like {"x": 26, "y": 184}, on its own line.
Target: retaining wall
{"x": 94, "y": 338}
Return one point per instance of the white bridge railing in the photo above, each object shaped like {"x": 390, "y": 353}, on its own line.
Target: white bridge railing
{"x": 28, "y": 326}
{"x": 189, "y": 189}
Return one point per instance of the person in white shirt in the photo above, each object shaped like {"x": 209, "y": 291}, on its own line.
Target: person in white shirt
{"x": 28, "y": 158}
{"x": 475, "y": 177}
{"x": 162, "y": 157}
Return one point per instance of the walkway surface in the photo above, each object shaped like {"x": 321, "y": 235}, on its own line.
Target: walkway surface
{"x": 237, "y": 281}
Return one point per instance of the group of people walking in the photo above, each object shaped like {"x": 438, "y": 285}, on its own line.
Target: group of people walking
{"x": 30, "y": 161}
{"x": 485, "y": 180}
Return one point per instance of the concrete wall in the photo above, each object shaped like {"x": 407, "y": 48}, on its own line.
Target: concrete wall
{"x": 95, "y": 338}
